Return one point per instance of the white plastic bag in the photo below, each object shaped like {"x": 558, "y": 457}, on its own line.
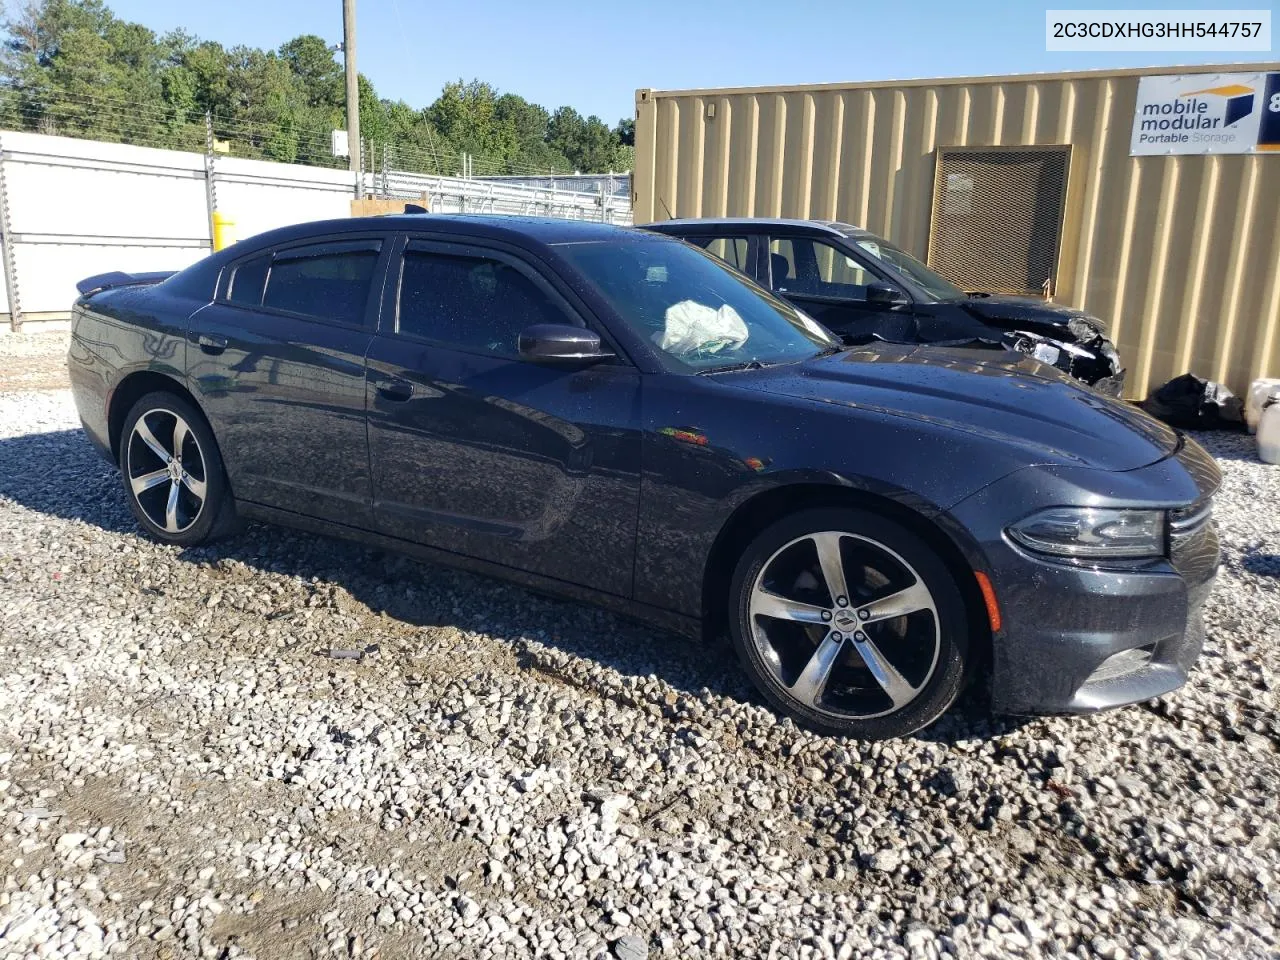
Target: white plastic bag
{"x": 1259, "y": 391}
{"x": 690, "y": 326}
{"x": 1269, "y": 432}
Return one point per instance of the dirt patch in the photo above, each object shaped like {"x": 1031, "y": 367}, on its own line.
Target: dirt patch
{"x": 34, "y": 361}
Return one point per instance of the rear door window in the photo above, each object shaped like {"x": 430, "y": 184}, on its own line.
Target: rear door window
{"x": 329, "y": 281}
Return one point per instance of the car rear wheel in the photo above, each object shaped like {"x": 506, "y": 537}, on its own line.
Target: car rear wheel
{"x": 850, "y": 623}
{"x": 172, "y": 471}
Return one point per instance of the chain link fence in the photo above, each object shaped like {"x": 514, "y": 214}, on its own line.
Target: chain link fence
{"x": 997, "y": 217}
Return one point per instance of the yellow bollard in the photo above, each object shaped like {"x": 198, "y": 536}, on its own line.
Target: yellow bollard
{"x": 224, "y": 231}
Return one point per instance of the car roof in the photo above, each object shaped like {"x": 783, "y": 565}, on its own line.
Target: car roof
{"x": 522, "y": 231}
{"x": 530, "y": 233}
{"x": 498, "y": 226}
{"x": 688, "y": 225}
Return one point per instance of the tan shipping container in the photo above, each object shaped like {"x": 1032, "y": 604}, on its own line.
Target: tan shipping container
{"x": 1180, "y": 255}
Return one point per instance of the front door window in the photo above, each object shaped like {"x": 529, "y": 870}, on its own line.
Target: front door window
{"x": 802, "y": 266}
{"x": 470, "y": 303}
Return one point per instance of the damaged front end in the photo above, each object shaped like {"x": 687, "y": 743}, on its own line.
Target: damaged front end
{"x": 1054, "y": 333}
{"x": 1084, "y": 353}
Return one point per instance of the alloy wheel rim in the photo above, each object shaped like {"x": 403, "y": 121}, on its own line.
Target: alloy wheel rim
{"x": 845, "y": 624}
{"x": 167, "y": 472}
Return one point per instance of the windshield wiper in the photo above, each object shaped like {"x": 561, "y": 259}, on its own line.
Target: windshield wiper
{"x": 745, "y": 365}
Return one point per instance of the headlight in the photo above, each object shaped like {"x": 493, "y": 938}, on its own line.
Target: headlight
{"x": 1093, "y": 533}
{"x": 1085, "y": 328}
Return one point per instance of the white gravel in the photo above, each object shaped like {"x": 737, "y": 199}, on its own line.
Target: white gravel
{"x": 191, "y": 766}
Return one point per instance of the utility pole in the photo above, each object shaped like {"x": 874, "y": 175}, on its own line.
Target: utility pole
{"x": 353, "y": 82}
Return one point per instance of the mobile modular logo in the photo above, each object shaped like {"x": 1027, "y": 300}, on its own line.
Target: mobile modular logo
{"x": 1197, "y": 110}
{"x": 1226, "y": 114}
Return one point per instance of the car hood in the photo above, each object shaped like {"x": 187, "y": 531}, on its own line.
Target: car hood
{"x": 1001, "y": 310}
{"x": 1001, "y": 396}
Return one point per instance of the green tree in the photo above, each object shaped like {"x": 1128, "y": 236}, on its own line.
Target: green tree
{"x": 319, "y": 75}
{"x": 374, "y": 124}
{"x": 73, "y": 67}
{"x": 588, "y": 144}
{"x": 465, "y": 114}
{"x": 529, "y": 126}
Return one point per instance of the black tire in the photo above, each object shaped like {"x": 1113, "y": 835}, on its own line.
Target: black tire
{"x": 768, "y": 646}
{"x": 191, "y": 523}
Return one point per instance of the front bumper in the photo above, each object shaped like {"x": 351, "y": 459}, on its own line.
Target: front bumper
{"x": 1075, "y": 638}
{"x": 1079, "y": 640}
{"x": 1093, "y": 361}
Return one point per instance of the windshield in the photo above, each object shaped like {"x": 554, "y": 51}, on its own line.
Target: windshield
{"x": 697, "y": 311}
{"x": 936, "y": 285}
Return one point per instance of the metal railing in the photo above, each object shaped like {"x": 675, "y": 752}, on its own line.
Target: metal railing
{"x": 462, "y": 195}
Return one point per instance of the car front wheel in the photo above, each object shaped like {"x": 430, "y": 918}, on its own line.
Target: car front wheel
{"x": 172, "y": 471}
{"x": 850, "y": 623}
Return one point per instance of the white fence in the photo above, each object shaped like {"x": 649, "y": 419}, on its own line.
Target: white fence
{"x": 72, "y": 208}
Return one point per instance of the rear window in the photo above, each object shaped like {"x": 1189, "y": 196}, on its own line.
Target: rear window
{"x": 330, "y": 281}
{"x": 197, "y": 282}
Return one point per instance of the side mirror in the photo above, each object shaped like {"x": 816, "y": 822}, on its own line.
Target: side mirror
{"x": 561, "y": 343}
{"x": 886, "y": 295}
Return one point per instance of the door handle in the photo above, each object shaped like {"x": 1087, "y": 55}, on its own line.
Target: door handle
{"x": 393, "y": 388}
{"x": 210, "y": 344}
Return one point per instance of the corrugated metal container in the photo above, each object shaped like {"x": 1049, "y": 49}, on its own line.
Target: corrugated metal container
{"x": 1179, "y": 254}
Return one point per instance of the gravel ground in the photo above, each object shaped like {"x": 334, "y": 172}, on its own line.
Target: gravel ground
{"x": 286, "y": 746}
{"x": 34, "y": 361}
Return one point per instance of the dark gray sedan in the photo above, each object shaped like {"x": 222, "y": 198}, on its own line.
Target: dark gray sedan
{"x": 619, "y": 417}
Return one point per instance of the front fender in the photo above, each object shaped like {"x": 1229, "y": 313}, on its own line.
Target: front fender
{"x": 703, "y": 460}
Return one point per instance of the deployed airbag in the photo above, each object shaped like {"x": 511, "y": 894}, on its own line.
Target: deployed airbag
{"x": 692, "y": 327}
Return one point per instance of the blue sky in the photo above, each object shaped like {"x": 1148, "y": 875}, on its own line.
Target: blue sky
{"x": 593, "y": 56}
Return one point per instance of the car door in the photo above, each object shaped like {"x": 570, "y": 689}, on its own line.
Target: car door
{"x": 830, "y": 284}
{"x": 277, "y": 361}
{"x": 476, "y": 451}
